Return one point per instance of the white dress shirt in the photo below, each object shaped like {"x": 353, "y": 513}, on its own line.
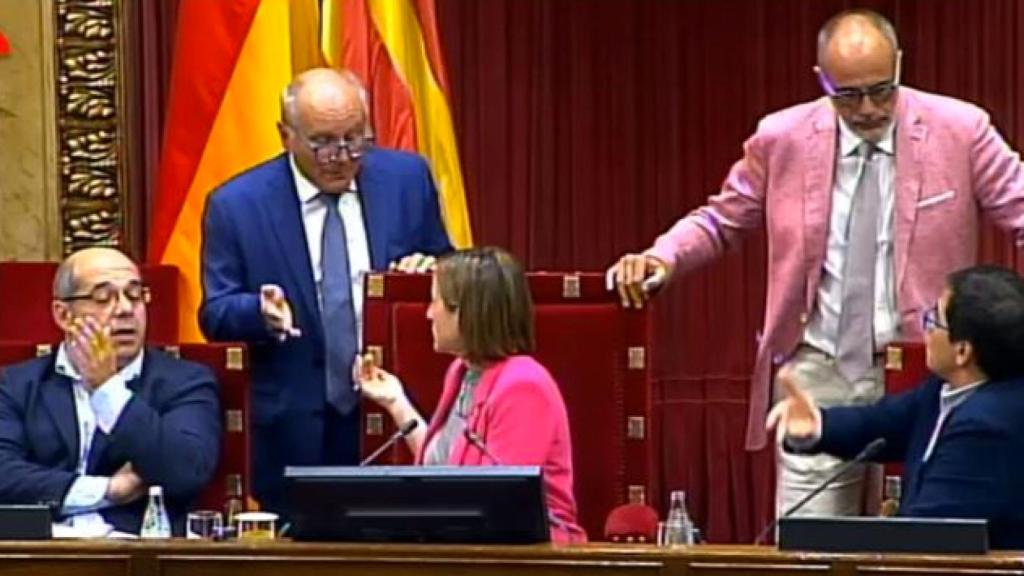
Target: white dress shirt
{"x": 949, "y": 398}
{"x": 822, "y": 331}
{"x": 94, "y": 409}
{"x": 314, "y": 214}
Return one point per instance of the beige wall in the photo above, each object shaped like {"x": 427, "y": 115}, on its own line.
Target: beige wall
{"x": 29, "y": 222}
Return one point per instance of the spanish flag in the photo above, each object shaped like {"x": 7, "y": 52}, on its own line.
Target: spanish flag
{"x": 231, "y": 61}
{"x": 393, "y": 47}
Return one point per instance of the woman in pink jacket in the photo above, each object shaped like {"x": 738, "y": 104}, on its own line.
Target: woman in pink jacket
{"x": 499, "y": 406}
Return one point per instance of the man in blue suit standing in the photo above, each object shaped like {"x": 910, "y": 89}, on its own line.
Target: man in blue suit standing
{"x": 960, "y": 433}
{"x": 286, "y": 246}
{"x": 89, "y": 428}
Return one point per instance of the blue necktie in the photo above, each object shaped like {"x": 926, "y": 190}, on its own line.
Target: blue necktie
{"x": 337, "y": 313}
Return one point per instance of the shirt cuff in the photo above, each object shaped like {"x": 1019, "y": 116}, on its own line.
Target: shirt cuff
{"x": 87, "y": 493}
{"x": 108, "y": 401}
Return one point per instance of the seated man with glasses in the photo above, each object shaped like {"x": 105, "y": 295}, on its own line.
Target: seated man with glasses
{"x": 286, "y": 248}
{"x": 869, "y": 196}
{"x": 960, "y": 433}
{"x": 88, "y": 429}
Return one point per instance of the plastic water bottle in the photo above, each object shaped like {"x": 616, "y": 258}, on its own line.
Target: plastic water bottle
{"x": 155, "y": 523}
{"x": 678, "y": 526}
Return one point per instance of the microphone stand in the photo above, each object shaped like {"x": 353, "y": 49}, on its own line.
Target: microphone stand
{"x": 400, "y": 433}
{"x": 869, "y": 451}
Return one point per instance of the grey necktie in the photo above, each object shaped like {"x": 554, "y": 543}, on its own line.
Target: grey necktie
{"x": 855, "y": 346}
{"x": 337, "y": 312}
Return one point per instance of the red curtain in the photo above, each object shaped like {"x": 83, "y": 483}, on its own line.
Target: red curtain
{"x": 587, "y": 127}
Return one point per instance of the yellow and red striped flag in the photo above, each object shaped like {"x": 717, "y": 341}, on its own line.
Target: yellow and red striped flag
{"x": 231, "y": 61}
{"x": 392, "y": 46}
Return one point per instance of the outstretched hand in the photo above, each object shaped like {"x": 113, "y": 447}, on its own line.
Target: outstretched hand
{"x": 796, "y": 416}
{"x": 377, "y": 384}
{"x": 277, "y": 312}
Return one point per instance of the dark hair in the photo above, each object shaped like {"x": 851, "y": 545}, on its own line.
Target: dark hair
{"x": 881, "y": 23}
{"x": 986, "y": 308}
{"x": 488, "y": 288}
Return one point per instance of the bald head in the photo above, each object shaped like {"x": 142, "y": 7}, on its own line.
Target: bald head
{"x": 856, "y": 34}
{"x": 84, "y": 263}
{"x": 321, "y": 91}
{"x": 858, "y": 65}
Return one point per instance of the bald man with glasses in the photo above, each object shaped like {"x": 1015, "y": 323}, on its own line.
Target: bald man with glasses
{"x": 869, "y": 195}
{"x": 287, "y": 245}
{"x": 89, "y": 428}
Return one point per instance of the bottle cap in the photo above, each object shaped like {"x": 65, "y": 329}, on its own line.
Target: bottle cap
{"x": 156, "y": 491}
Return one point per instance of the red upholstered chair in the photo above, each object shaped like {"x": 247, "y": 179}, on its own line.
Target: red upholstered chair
{"x": 12, "y": 352}
{"x": 25, "y": 295}
{"x": 229, "y": 363}
{"x": 632, "y": 523}
{"x": 905, "y": 368}
{"x": 597, "y": 351}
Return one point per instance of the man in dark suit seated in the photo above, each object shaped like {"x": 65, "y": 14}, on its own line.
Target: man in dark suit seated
{"x": 286, "y": 248}
{"x": 960, "y": 433}
{"x": 90, "y": 428}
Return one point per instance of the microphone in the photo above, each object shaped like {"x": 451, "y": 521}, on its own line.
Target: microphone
{"x": 475, "y": 440}
{"x": 400, "y": 433}
{"x": 869, "y": 452}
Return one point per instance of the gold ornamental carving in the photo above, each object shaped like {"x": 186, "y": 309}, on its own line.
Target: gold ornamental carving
{"x": 90, "y": 122}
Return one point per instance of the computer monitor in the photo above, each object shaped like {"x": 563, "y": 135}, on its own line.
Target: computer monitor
{"x": 467, "y": 504}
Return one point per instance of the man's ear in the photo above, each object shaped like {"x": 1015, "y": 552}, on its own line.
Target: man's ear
{"x": 964, "y": 353}
{"x": 63, "y": 317}
{"x": 283, "y": 132}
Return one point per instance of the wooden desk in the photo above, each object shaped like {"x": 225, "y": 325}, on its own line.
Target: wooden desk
{"x": 186, "y": 558}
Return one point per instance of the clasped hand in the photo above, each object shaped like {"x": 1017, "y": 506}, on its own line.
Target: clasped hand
{"x": 637, "y": 277}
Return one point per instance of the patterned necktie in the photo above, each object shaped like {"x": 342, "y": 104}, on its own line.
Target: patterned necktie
{"x": 855, "y": 346}
{"x": 337, "y": 313}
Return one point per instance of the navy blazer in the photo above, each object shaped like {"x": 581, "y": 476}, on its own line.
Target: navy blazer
{"x": 253, "y": 234}
{"x": 170, "y": 431}
{"x": 976, "y": 469}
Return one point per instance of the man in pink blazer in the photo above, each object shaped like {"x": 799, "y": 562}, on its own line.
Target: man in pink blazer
{"x": 936, "y": 165}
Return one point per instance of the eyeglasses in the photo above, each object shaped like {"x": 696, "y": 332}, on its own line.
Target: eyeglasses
{"x": 326, "y": 152}
{"x": 104, "y": 293}
{"x": 850, "y": 97}
{"x": 930, "y": 320}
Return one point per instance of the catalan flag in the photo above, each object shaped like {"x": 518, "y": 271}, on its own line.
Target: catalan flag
{"x": 232, "y": 59}
{"x": 393, "y": 46}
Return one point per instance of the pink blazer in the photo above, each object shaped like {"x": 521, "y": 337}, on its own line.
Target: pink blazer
{"x": 951, "y": 164}
{"x": 519, "y": 415}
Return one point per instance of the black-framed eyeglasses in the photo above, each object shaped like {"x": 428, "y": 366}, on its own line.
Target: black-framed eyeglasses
{"x": 851, "y": 97}
{"x": 930, "y": 320}
{"x": 329, "y": 151}
{"x": 104, "y": 293}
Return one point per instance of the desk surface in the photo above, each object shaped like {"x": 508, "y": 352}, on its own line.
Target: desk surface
{"x": 191, "y": 558}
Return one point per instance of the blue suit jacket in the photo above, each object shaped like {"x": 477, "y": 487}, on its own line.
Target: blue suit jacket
{"x": 170, "y": 432}
{"x": 253, "y": 234}
{"x": 976, "y": 469}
